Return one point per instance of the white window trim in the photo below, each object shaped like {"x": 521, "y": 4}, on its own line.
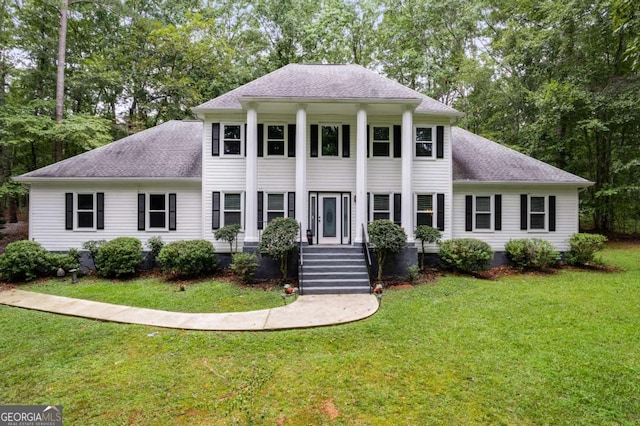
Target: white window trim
{"x": 76, "y": 210}
{"x": 339, "y": 147}
{"x": 433, "y": 141}
{"x": 242, "y": 139}
{"x": 265, "y": 129}
{"x": 433, "y": 207}
{"x": 223, "y": 208}
{"x": 284, "y": 205}
{"x": 546, "y": 213}
{"x": 491, "y": 213}
{"x": 148, "y": 212}
{"x": 373, "y": 207}
{"x": 371, "y": 140}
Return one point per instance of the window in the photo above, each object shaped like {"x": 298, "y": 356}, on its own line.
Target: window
{"x": 381, "y": 206}
{"x": 85, "y": 211}
{"x": 424, "y": 142}
{"x": 424, "y": 214}
{"x": 232, "y": 209}
{"x": 330, "y": 140}
{"x": 232, "y": 139}
{"x": 381, "y": 141}
{"x": 276, "y": 140}
{"x": 537, "y": 213}
{"x": 483, "y": 212}
{"x": 157, "y": 211}
{"x": 275, "y": 206}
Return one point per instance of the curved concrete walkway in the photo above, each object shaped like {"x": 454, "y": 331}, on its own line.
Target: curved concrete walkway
{"x": 307, "y": 311}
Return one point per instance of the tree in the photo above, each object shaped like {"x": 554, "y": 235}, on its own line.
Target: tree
{"x": 229, "y": 234}
{"x": 387, "y": 238}
{"x": 429, "y": 235}
{"x": 279, "y": 239}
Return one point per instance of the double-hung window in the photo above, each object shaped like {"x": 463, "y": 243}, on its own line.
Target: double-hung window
{"x": 85, "y": 211}
{"x": 232, "y": 139}
{"x": 424, "y": 211}
{"x": 330, "y": 140}
{"x": 158, "y": 211}
{"x": 275, "y": 206}
{"x": 276, "y": 145}
{"x": 424, "y": 137}
{"x": 482, "y": 212}
{"x": 537, "y": 213}
{"x": 381, "y": 206}
{"x": 232, "y": 209}
{"x": 381, "y": 141}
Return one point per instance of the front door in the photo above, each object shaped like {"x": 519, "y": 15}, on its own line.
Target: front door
{"x": 329, "y": 223}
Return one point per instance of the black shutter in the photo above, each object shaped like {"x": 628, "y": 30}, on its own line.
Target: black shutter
{"x": 497, "y": 201}
{"x": 260, "y": 210}
{"x": 346, "y": 140}
{"x": 552, "y": 213}
{"x": 215, "y": 210}
{"x": 523, "y": 212}
{"x": 397, "y": 209}
{"x": 141, "y": 211}
{"x": 245, "y": 139}
{"x": 397, "y": 141}
{"x": 468, "y": 213}
{"x": 215, "y": 139}
{"x": 68, "y": 210}
{"x": 100, "y": 210}
{"x": 440, "y": 142}
{"x": 368, "y": 139}
{"x": 291, "y": 205}
{"x": 440, "y": 219}
{"x": 260, "y": 140}
{"x": 369, "y": 207}
{"x": 291, "y": 129}
{"x": 172, "y": 212}
{"x": 314, "y": 140}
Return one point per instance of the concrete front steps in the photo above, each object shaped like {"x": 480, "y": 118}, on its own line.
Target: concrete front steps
{"x": 338, "y": 269}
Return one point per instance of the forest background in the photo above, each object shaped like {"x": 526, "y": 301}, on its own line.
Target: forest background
{"x": 555, "y": 79}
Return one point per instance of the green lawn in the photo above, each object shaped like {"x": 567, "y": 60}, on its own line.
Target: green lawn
{"x": 525, "y": 350}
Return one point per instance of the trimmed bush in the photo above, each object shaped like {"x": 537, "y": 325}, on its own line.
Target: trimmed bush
{"x": 278, "y": 239}
{"x": 119, "y": 257}
{"x": 583, "y": 247}
{"x": 386, "y": 237}
{"x": 68, "y": 261}
{"x": 465, "y": 255}
{"x": 93, "y": 247}
{"x": 427, "y": 234}
{"x": 155, "y": 244}
{"x": 24, "y": 261}
{"x": 533, "y": 254}
{"x": 245, "y": 265}
{"x": 188, "y": 258}
{"x": 229, "y": 234}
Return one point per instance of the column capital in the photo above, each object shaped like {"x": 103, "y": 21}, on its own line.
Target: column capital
{"x": 301, "y": 106}
{"x": 252, "y": 105}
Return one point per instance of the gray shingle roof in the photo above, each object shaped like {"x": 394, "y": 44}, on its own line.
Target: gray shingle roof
{"x": 303, "y": 81}
{"x": 476, "y": 159}
{"x": 170, "y": 150}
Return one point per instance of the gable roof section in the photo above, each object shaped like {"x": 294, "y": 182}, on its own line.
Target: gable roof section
{"x": 326, "y": 82}
{"x": 169, "y": 150}
{"x": 476, "y": 159}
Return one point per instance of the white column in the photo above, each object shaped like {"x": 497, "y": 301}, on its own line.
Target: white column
{"x": 251, "y": 175}
{"x": 407, "y": 174}
{"x": 361, "y": 172}
{"x": 302, "y": 215}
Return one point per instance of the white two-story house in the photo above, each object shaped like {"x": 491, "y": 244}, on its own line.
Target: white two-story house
{"x": 333, "y": 146}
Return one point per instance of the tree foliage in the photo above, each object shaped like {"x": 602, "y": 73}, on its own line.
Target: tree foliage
{"x": 386, "y": 238}
{"x": 279, "y": 239}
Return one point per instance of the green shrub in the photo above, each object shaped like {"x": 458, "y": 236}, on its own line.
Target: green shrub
{"x": 188, "y": 258}
{"x": 229, "y": 234}
{"x": 93, "y": 247}
{"x": 583, "y": 247}
{"x": 155, "y": 244}
{"x": 427, "y": 234}
{"x": 245, "y": 265}
{"x": 413, "y": 274}
{"x": 386, "y": 237}
{"x": 465, "y": 255}
{"x": 23, "y": 261}
{"x": 278, "y": 239}
{"x": 532, "y": 253}
{"x": 119, "y": 257}
{"x": 66, "y": 261}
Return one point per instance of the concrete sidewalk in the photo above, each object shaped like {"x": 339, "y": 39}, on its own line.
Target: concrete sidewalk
{"x": 307, "y": 311}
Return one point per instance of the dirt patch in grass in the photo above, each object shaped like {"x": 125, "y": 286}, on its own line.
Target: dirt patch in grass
{"x": 330, "y": 409}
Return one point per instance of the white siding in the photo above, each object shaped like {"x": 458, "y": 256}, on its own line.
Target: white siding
{"x": 566, "y": 214}
{"x": 47, "y": 215}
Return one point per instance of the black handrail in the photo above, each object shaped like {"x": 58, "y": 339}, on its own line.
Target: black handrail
{"x": 367, "y": 254}
{"x": 300, "y": 262}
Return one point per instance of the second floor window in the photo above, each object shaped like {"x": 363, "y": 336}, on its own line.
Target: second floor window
{"x": 232, "y": 141}
{"x": 330, "y": 140}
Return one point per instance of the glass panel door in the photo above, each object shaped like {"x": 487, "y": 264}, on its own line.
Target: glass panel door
{"x": 329, "y": 219}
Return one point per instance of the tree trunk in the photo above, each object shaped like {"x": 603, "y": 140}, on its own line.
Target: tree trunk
{"x": 62, "y": 47}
